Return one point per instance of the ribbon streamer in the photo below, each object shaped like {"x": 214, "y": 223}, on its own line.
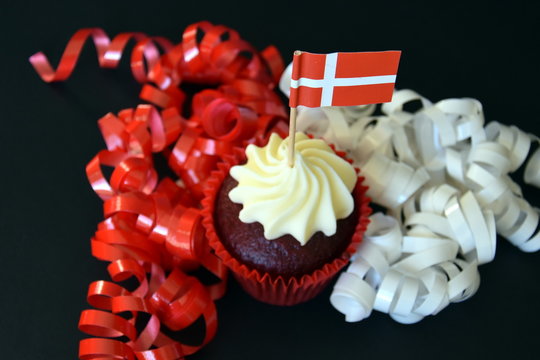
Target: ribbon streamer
{"x": 152, "y": 228}
{"x": 444, "y": 177}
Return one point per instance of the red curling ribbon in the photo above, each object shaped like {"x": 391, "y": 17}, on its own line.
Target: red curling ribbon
{"x": 152, "y": 229}
{"x": 170, "y": 97}
{"x": 126, "y": 115}
{"x": 225, "y": 121}
{"x": 177, "y": 302}
{"x": 139, "y": 139}
{"x": 111, "y": 245}
{"x": 190, "y": 46}
{"x": 196, "y": 171}
{"x": 123, "y": 269}
{"x": 180, "y": 301}
{"x": 172, "y": 351}
{"x": 133, "y": 174}
{"x": 274, "y": 61}
{"x": 113, "y": 131}
{"x": 103, "y": 323}
{"x": 95, "y": 176}
{"x": 175, "y": 193}
{"x": 165, "y": 129}
{"x": 146, "y": 50}
{"x": 213, "y": 37}
{"x": 214, "y": 264}
{"x": 109, "y": 54}
{"x": 211, "y": 146}
{"x": 134, "y": 203}
{"x": 160, "y": 229}
{"x": 97, "y": 348}
{"x": 101, "y": 292}
{"x": 186, "y": 233}
{"x": 182, "y": 148}
{"x": 131, "y": 127}
{"x": 135, "y": 304}
{"x": 202, "y": 99}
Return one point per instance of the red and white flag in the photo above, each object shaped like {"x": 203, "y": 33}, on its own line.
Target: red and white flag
{"x": 343, "y": 79}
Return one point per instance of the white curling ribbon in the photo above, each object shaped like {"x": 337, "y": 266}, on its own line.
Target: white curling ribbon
{"x": 468, "y": 115}
{"x": 455, "y": 165}
{"x": 419, "y": 179}
{"x": 524, "y": 226}
{"x": 426, "y": 137}
{"x": 516, "y": 141}
{"x": 507, "y": 211}
{"x": 353, "y": 297}
{"x": 435, "y": 199}
{"x": 436, "y": 295}
{"x": 285, "y": 80}
{"x": 339, "y": 131}
{"x": 391, "y": 183}
{"x": 453, "y": 195}
{"x": 384, "y": 232}
{"x": 418, "y": 261}
{"x": 397, "y": 295}
{"x": 493, "y": 155}
{"x": 416, "y": 243}
{"x": 387, "y": 291}
{"x": 436, "y": 223}
{"x": 372, "y": 256}
{"x": 532, "y": 170}
{"x": 464, "y": 279}
{"x": 513, "y": 186}
{"x": 354, "y": 292}
{"x": 462, "y": 232}
{"x": 522, "y": 144}
{"x": 401, "y": 118}
{"x": 492, "y": 192}
{"x": 443, "y": 125}
{"x": 394, "y": 188}
{"x": 400, "y": 98}
{"x": 375, "y": 171}
{"x": 482, "y": 227}
{"x": 406, "y": 298}
{"x": 311, "y": 120}
{"x": 410, "y": 207}
{"x": 373, "y": 139}
{"x": 404, "y": 148}
{"x": 480, "y": 176}
{"x": 533, "y": 244}
{"x": 499, "y": 133}
{"x": 436, "y": 170}
{"x": 353, "y": 113}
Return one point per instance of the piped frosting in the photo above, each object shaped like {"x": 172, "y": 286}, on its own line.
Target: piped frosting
{"x": 300, "y": 200}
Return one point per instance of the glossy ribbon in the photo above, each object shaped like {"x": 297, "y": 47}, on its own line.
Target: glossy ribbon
{"x": 444, "y": 178}
{"x": 152, "y": 228}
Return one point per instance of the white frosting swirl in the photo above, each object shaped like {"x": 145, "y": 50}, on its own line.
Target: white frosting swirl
{"x": 299, "y": 200}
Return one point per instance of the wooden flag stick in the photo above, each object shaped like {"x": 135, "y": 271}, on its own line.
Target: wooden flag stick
{"x": 292, "y": 135}
{"x": 292, "y": 116}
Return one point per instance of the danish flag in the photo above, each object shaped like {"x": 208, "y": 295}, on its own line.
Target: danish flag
{"x": 343, "y": 78}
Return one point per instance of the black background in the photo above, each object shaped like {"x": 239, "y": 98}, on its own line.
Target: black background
{"x": 49, "y": 132}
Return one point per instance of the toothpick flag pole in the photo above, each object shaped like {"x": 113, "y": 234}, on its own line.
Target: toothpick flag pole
{"x": 292, "y": 135}
{"x": 292, "y": 115}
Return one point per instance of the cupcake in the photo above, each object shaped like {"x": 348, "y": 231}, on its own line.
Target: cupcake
{"x": 285, "y": 231}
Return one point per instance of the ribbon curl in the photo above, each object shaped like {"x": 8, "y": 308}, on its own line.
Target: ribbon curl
{"x": 152, "y": 229}
{"x": 444, "y": 178}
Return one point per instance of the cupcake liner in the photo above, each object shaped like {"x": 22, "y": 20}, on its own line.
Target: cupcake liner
{"x": 277, "y": 290}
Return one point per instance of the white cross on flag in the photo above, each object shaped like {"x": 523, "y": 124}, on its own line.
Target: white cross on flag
{"x": 343, "y": 79}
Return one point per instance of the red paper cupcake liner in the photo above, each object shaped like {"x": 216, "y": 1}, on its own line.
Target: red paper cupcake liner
{"x": 277, "y": 290}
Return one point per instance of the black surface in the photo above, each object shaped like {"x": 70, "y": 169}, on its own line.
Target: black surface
{"x": 49, "y": 133}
